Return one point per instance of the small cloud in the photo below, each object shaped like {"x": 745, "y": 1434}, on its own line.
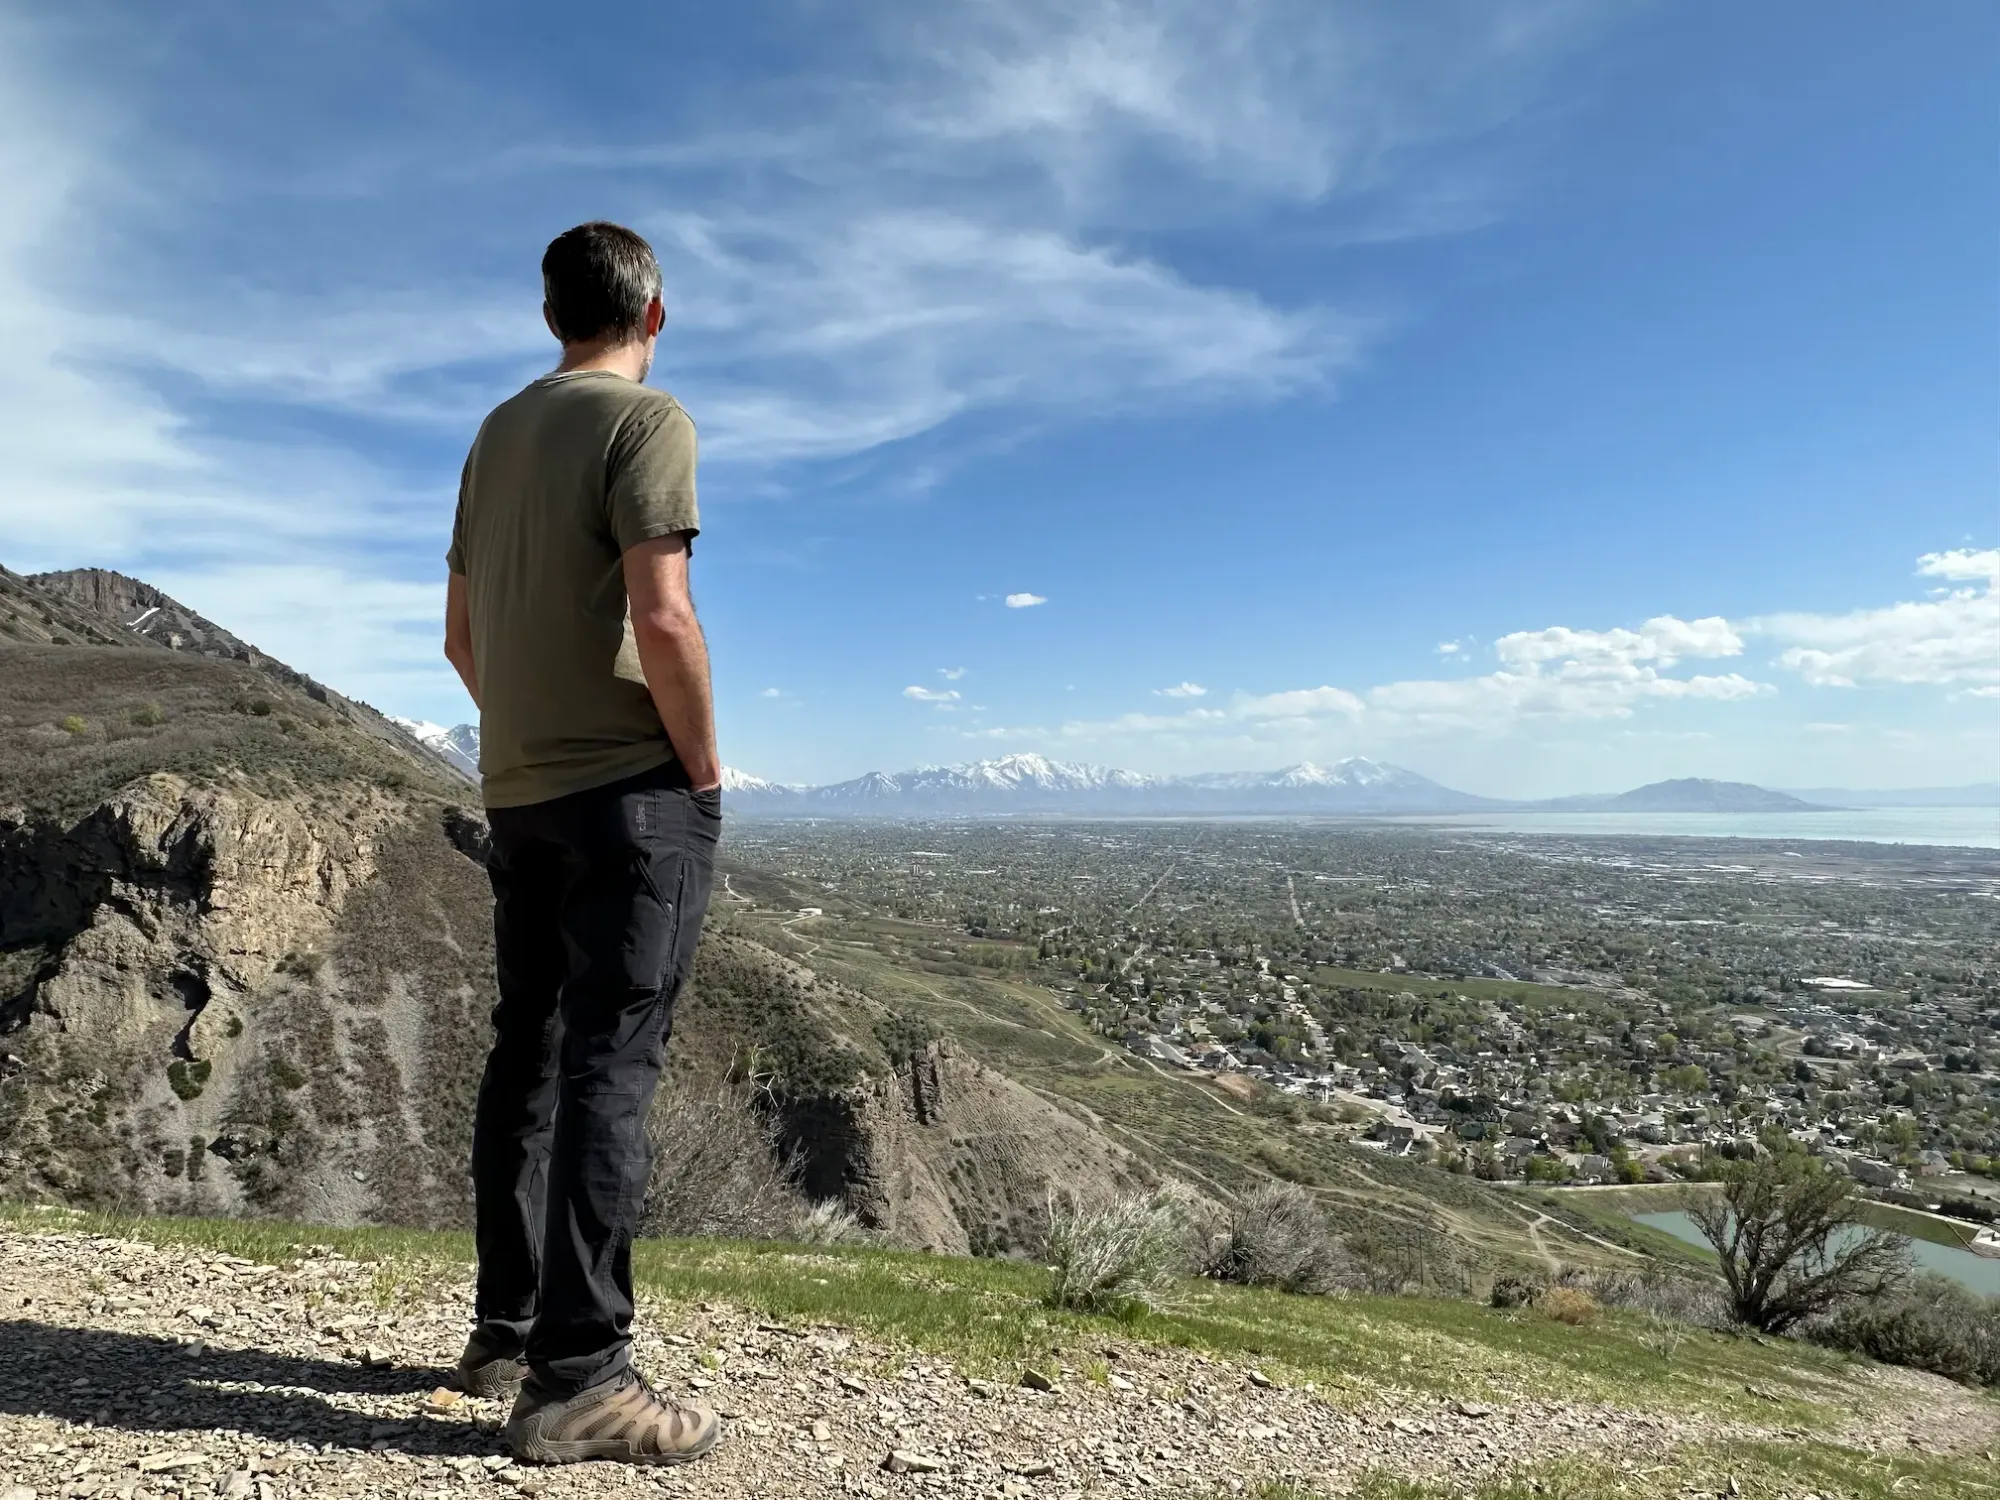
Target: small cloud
{"x": 1828, "y": 728}
{"x": 772, "y": 693}
{"x": 1451, "y": 648}
{"x": 951, "y": 674}
{"x": 1182, "y": 690}
{"x": 1024, "y": 601}
{"x": 930, "y": 695}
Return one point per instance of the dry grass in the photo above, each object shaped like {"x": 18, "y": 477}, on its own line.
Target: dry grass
{"x": 1566, "y": 1304}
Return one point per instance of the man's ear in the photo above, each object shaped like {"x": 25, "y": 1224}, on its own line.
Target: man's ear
{"x": 549, "y": 317}
{"x": 656, "y": 318}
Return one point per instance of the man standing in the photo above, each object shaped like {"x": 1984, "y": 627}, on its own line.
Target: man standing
{"x": 568, "y": 618}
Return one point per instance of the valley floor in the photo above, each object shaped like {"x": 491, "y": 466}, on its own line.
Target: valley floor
{"x": 264, "y": 1362}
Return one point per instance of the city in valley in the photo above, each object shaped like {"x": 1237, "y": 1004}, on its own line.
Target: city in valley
{"x": 1557, "y": 1009}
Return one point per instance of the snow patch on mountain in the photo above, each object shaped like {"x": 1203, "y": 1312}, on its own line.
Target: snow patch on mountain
{"x": 458, "y": 744}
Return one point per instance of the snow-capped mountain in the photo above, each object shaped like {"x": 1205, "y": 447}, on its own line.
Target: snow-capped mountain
{"x": 1036, "y": 784}
{"x": 1017, "y": 779}
{"x": 459, "y": 744}
{"x": 737, "y": 783}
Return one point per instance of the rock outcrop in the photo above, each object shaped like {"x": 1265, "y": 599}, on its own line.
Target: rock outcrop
{"x": 947, "y": 1154}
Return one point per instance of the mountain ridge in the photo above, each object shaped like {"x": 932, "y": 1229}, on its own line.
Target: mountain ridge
{"x": 1025, "y": 782}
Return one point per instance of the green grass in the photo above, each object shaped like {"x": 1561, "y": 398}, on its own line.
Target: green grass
{"x": 989, "y": 1315}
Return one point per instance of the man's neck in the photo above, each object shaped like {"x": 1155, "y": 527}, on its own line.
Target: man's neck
{"x": 627, "y": 358}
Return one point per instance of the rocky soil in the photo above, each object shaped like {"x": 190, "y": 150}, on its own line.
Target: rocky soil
{"x": 136, "y": 1371}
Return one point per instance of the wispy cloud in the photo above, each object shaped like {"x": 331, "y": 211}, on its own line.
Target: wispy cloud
{"x": 951, "y": 674}
{"x": 971, "y": 218}
{"x": 930, "y": 695}
{"x": 1024, "y": 601}
{"x": 1182, "y": 690}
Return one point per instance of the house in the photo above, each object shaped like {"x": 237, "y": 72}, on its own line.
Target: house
{"x": 1882, "y": 1174}
{"x": 1595, "y": 1168}
{"x": 1515, "y": 1152}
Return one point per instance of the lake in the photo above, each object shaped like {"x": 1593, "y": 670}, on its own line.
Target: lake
{"x": 1958, "y": 827}
{"x": 1962, "y": 1266}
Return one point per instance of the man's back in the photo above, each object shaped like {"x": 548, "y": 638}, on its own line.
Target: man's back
{"x": 562, "y": 479}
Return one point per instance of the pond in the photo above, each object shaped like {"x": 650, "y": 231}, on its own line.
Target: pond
{"x": 1962, "y": 1266}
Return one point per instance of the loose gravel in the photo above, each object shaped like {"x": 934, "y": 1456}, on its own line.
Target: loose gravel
{"x": 143, "y": 1372}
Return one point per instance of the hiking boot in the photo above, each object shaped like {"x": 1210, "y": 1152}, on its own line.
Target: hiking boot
{"x": 481, "y": 1372}
{"x": 623, "y": 1419}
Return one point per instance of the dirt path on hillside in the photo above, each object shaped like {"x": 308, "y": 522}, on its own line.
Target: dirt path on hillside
{"x": 140, "y": 1372}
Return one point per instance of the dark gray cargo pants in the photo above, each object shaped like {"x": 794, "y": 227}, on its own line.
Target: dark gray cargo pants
{"x": 598, "y": 903}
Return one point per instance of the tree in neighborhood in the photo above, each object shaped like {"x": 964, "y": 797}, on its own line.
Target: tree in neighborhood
{"x": 1788, "y": 1234}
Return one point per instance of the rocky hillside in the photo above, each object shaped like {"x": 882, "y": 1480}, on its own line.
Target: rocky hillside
{"x": 245, "y": 963}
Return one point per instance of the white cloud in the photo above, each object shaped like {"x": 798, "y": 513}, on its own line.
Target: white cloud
{"x": 1024, "y": 601}
{"x": 771, "y": 692}
{"x": 1182, "y": 690}
{"x": 951, "y": 674}
{"x": 930, "y": 695}
{"x": 1951, "y": 639}
{"x": 1450, "y": 648}
{"x": 1663, "y": 640}
{"x": 1299, "y": 703}
{"x": 1964, "y": 563}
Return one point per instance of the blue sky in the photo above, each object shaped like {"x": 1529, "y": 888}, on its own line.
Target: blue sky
{"x": 1547, "y": 397}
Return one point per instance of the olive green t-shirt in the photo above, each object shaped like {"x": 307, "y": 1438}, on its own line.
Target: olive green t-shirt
{"x": 560, "y": 481}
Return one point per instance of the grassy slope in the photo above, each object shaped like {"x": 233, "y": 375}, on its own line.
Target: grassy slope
{"x": 988, "y": 1316}
{"x": 1447, "y": 1231}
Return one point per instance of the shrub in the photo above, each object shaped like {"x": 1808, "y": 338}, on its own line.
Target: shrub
{"x": 1278, "y": 1237}
{"x": 1932, "y": 1324}
{"x": 149, "y": 715}
{"x": 1696, "y": 1301}
{"x": 1119, "y": 1258}
{"x": 187, "y": 1079}
{"x": 1568, "y": 1305}
{"x": 287, "y": 1074}
{"x": 716, "y": 1166}
{"x": 73, "y": 724}
{"x": 1510, "y": 1289}
{"x": 830, "y": 1222}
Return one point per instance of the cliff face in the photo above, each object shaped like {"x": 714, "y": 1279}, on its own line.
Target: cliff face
{"x": 946, "y": 1154}
{"x": 220, "y": 1001}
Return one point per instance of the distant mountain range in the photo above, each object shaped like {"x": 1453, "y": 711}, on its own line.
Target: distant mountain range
{"x": 1977, "y": 794}
{"x": 1037, "y": 785}
{"x": 1688, "y": 794}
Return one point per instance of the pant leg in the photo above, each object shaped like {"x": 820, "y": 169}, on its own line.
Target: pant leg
{"x": 631, "y": 918}
{"x": 513, "y": 1124}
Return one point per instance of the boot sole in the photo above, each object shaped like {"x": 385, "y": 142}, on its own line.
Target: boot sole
{"x": 531, "y": 1449}
{"x": 489, "y": 1382}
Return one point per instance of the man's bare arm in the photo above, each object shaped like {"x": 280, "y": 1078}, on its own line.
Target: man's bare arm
{"x": 673, "y": 653}
{"x": 458, "y": 634}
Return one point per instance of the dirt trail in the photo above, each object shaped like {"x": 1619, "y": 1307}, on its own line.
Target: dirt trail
{"x": 139, "y": 1372}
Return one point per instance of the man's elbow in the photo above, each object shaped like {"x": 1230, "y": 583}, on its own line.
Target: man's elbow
{"x": 666, "y": 623}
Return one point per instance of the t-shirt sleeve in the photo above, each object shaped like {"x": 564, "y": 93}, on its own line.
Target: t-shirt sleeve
{"x": 454, "y": 557}
{"x": 650, "y": 479}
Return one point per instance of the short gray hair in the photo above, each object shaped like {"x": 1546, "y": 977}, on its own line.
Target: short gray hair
{"x": 598, "y": 278}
